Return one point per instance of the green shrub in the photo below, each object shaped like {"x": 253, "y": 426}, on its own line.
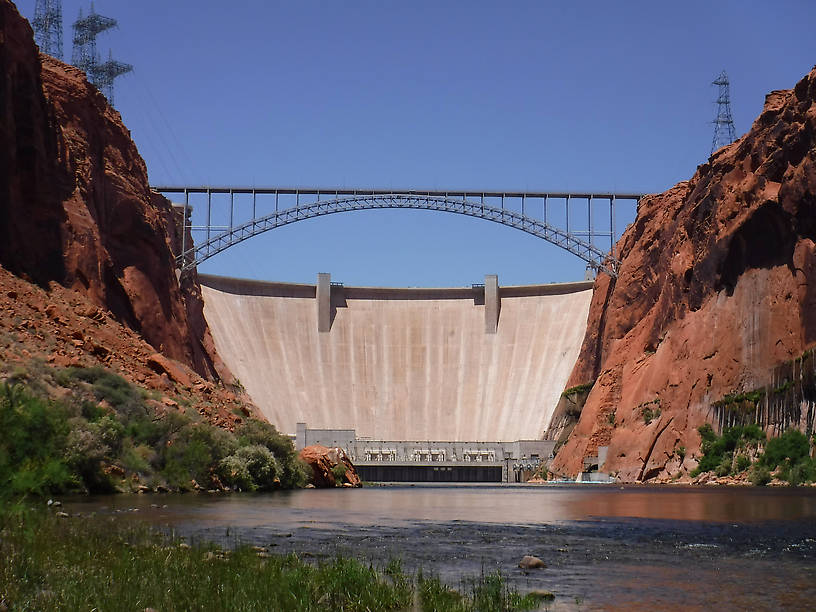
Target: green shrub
{"x": 802, "y": 472}
{"x": 254, "y": 431}
{"x": 234, "y": 472}
{"x": 92, "y": 411}
{"x": 582, "y": 388}
{"x": 32, "y": 441}
{"x": 339, "y": 472}
{"x": 718, "y": 451}
{"x": 724, "y": 467}
{"x": 193, "y": 452}
{"x": 295, "y": 472}
{"x": 792, "y": 446}
{"x": 251, "y": 468}
{"x": 743, "y": 463}
{"x": 760, "y": 475}
{"x": 141, "y": 458}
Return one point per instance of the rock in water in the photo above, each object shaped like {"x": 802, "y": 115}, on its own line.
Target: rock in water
{"x": 531, "y": 562}
{"x": 323, "y": 461}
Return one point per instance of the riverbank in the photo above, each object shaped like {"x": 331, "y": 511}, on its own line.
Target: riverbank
{"x": 50, "y": 560}
{"x": 604, "y": 546}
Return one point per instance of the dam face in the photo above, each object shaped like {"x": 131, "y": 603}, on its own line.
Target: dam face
{"x": 400, "y": 364}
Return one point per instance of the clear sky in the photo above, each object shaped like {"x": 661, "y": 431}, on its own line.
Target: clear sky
{"x": 537, "y": 95}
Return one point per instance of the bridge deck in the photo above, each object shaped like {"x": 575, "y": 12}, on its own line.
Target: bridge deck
{"x": 346, "y": 191}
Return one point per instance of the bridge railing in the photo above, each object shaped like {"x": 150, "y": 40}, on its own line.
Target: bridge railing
{"x": 580, "y": 222}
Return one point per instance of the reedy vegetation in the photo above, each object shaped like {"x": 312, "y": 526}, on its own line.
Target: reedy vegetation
{"x": 48, "y": 563}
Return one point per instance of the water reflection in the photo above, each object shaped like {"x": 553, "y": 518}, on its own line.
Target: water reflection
{"x": 606, "y": 547}
{"x": 519, "y": 505}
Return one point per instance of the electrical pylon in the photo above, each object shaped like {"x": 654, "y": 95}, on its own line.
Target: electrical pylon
{"x": 48, "y": 27}
{"x": 85, "y": 56}
{"x": 724, "y": 132}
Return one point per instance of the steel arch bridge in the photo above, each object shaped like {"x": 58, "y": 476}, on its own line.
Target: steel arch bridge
{"x": 217, "y": 237}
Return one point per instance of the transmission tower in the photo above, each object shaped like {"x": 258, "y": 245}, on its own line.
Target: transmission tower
{"x": 85, "y": 56}
{"x": 48, "y": 27}
{"x": 724, "y": 133}
{"x": 105, "y": 73}
{"x": 86, "y": 29}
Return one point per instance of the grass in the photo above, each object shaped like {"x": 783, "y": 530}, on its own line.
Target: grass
{"x": 51, "y": 563}
{"x": 582, "y": 388}
{"x": 648, "y": 413}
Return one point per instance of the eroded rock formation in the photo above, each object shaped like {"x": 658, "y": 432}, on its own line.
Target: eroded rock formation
{"x": 714, "y": 291}
{"x": 324, "y": 462}
{"x": 75, "y": 205}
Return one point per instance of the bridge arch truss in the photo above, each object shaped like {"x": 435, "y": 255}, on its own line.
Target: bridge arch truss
{"x": 213, "y": 238}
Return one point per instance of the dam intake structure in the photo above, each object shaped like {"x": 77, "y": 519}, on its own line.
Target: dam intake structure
{"x": 401, "y": 364}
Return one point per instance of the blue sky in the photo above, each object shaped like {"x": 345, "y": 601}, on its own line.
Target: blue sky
{"x": 611, "y": 96}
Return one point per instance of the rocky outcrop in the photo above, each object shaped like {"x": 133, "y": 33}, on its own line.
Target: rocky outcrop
{"x": 324, "y": 461}
{"x": 714, "y": 291}
{"x": 76, "y": 205}
{"x": 43, "y": 330}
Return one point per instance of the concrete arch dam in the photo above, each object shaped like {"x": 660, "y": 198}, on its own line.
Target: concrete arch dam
{"x": 464, "y": 364}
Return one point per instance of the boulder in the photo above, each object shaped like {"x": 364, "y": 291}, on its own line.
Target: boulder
{"x": 531, "y": 562}
{"x": 323, "y": 460}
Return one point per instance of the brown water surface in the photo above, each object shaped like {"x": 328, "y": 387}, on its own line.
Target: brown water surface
{"x": 607, "y": 547}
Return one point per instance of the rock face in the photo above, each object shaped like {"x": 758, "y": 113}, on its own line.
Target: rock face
{"x": 75, "y": 205}
{"x": 714, "y": 291}
{"x": 322, "y": 460}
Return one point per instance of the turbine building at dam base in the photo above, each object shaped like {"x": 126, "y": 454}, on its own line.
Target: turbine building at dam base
{"x": 419, "y": 384}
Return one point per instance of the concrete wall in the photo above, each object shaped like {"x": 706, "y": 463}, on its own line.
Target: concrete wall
{"x": 401, "y": 364}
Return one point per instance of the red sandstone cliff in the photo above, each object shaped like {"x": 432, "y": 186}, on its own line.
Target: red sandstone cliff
{"x": 75, "y": 205}
{"x": 714, "y": 290}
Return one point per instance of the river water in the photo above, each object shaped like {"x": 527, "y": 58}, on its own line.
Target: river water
{"x": 606, "y": 547}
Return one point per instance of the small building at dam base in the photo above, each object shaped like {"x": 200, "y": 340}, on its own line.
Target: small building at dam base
{"x": 433, "y": 461}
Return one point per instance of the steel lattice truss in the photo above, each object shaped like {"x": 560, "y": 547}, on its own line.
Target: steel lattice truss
{"x": 595, "y": 257}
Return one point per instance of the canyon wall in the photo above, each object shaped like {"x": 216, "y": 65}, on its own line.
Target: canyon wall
{"x": 75, "y": 205}
{"x": 715, "y": 290}
{"x": 401, "y": 364}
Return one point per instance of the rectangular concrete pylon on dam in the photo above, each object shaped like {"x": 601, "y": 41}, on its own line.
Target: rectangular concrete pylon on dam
{"x": 323, "y": 302}
{"x": 491, "y": 304}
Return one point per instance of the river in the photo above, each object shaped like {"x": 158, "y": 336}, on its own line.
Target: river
{"x": 606, "y": 547}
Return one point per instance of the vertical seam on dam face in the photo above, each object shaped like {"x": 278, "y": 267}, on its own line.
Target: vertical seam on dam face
{"x": 401, "y": 364}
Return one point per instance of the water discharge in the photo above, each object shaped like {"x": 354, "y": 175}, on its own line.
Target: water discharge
{"x": 606, "y": 547}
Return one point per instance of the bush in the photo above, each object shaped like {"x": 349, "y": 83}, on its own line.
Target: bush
{"x": 235, "y": 473}
{"x": 254, "y": 432}
{"x": 760, "y": 476}
{"x": 141, "y": 458}
{"x": 251, "y": 468}
{"x": 792, "y": 446}
{"x": 296, "y": 472}
{"x": 743, "y": 463}
{"x": 193, "y": 452}
{"x": 31, "y": 445}
{"x": 339, "y": 472}
{"x": 719, "y": 451}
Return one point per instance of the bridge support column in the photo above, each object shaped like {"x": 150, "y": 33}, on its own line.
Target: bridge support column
{"x": 492, "y": 303}
{"x": 323, "y": 294}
